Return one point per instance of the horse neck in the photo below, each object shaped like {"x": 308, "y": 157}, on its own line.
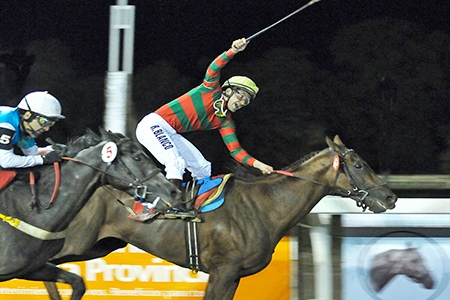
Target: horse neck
{"x": 293, "y": 198}
{"x": 78, "y": 184}
{"x": 381, "y": 275}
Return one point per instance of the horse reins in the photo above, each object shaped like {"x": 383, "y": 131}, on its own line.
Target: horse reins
{"x": 35, "y": 199}
{"x": 359, "y": 194}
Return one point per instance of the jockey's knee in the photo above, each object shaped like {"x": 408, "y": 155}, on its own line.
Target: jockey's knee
{"x": 175, "y": 169}
{"x": 202, "y": 171}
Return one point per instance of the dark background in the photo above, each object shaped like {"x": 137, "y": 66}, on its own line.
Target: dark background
{"x": 374, "y": 72}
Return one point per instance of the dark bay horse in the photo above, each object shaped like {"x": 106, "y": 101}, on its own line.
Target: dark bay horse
{"x": 31, "y": 234}
{"x": 238, "y": 239}
{"x": 385, "y": 266}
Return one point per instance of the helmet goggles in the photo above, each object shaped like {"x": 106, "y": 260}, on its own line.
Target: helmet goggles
{"x": 243, "y": 96}
{"x": 45, "y": 121}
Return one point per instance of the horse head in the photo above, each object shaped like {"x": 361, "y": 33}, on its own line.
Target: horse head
{"x": 384, "y": 266}
{"x": 124, "y": 165}
{"x": 359, "y": 181}
{"x": 411, "y": 264}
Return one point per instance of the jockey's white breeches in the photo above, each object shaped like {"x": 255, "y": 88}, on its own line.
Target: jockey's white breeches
{"x": 171, "y": 149}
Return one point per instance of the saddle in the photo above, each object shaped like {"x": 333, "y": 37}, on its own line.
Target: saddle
{"x": 203, "y": 195}
{"x": 30, "y": 177}
{"x": 6, "y": 177}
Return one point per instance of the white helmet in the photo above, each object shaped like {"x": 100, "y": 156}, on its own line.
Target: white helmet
{"x": 43, "y": 104}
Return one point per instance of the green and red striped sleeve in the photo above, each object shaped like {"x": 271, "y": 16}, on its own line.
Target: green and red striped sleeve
{"x": 228, "y": 133}
{"x": 213, "y": 72}
{"x": 194, "y": 110}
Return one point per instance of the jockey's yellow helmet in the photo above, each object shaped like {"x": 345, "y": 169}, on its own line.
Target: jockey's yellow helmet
{"x": 244, "y": 83}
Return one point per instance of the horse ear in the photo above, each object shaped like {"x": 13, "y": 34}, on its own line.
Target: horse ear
{"x": 109, "y": 135}
{"x": 329, "y": 142}
{"x": 92, "y": 136}
{"x": 102, "y": 131}
{"x": 338, "y": 141}
{"x": 105, "y": 134}
{"x": 89, "y": 131}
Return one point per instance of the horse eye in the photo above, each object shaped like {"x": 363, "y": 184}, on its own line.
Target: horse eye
{"x": 137, "y": 158}
{"x": 358, "y": 166}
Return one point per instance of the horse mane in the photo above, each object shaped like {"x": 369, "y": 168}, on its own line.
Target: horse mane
{"x": 243, "y": 172}
{"x": 78, "y": 143}
{"x": 301, "y": 160}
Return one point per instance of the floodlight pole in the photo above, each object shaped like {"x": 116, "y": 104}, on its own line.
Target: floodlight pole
{"x": 118, "y": 86}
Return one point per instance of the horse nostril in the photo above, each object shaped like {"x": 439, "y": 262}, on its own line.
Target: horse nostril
{"x": 391, "y": 199}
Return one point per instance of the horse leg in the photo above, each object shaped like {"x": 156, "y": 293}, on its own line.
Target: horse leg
{"x": 52, "y": 290}
{"x": 221, "y": 286}
{"x": 50, "y": 272}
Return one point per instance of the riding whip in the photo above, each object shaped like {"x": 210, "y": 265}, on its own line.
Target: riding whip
{"x": 279, "y": 21}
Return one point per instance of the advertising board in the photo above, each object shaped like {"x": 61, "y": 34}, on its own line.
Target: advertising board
{"x": 130, "y": 273}
{"x": 396, "y": 257}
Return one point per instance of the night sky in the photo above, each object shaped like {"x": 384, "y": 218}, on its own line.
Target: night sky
{"x": 189, "y": 34}
{"x": 182, "y": 31}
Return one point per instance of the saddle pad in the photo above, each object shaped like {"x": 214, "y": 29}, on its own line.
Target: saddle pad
{"x": 212, "y": 194}
{"x": 6, "y": 177}
{"x": 141, "y": 213}
{"x": 142, "y": 208}
{"x": 215, "y": 204}
{"x": 138, "y": 208}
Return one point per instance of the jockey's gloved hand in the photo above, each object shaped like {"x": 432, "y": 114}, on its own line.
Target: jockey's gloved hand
{"x": 265, "y": 169}
{"x": 51, "y": 157}
{"x": 61, "y": 149}
{"x": 239, "y": 45}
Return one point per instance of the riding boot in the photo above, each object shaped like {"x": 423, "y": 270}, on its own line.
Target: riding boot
{"x": 177, "y": 183}
{"x": 181, "y": 212}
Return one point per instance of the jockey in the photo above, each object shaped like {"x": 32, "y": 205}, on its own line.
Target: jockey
{"x": 35, "y": 114}
{"x": 205, "y": 107}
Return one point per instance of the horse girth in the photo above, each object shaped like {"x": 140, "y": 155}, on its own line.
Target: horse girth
{"x": 32, "y": 230}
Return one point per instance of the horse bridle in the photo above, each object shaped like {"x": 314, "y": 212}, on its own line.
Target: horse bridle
{"x": 357, "y": 194}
